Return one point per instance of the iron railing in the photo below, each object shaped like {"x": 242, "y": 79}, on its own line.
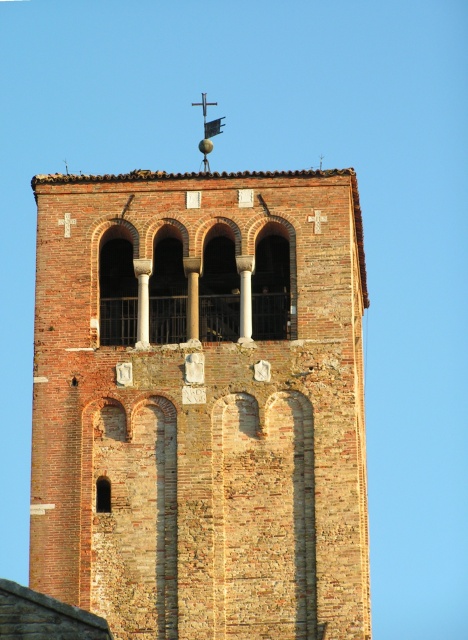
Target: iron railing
{"x": 119, "y": 321}
{"x": 270, "y": 316}
{"x": 168, "y": 320}
{"x": 219, "y": 319}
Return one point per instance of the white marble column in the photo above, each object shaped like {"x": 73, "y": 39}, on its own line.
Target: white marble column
{"x": 245, "y": 267}
{"x": 143, "y": 268}
{"x": 192, "y": 268}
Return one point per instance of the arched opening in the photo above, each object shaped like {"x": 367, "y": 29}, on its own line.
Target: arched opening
{"x": 103, "y": 495}
{"x": 118, "y": 290}
{"x": 271, "y": 285}
{"x": 219, "y": 288}
{"x": 168, "y": 291}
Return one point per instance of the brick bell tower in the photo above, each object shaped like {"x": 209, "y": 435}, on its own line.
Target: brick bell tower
{"x": 198, "y": 464}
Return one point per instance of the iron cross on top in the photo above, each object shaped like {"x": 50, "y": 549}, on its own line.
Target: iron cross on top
{"x": 204, "y": 104}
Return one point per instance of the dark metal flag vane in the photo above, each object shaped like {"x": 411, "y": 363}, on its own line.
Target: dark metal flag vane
{"x": 211, "y": 129}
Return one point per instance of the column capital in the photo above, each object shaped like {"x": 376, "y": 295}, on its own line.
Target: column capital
{"x": 143, "y": 266}
{"x": 245, "y": 263}
{"x": 192, "y": 265}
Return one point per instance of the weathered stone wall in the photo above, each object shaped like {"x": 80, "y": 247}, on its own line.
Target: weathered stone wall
{"x": 241, "y": 516}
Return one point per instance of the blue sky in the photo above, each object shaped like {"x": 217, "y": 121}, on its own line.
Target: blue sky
{"x": 381, "y": 87}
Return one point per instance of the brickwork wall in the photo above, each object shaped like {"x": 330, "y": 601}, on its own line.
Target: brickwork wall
{"x": 134, "y": 547}
{"x": 242, "y": 517}
{"x": 263, "y": 495}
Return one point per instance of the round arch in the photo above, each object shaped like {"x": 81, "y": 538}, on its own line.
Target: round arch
{"x": 165, "y": 404}
{"x": 218, "y": 226}
{"x": 91, "y": 409}
{"x": 168, "y": 227}
{"x": 112, "y": 229}
{"x": 260, "y": 227}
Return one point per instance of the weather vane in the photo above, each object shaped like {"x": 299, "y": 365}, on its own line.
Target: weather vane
{"x": 210, "y": 129}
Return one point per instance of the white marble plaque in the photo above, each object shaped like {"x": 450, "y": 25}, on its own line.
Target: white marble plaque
{"x": 195, "y": 368}
{"x": 245, "y": 197}
{"x": 193, "y": 395}
{"x": 193, "y": 199}
{"x": 124, "y": 371}
{"x": 262, "y": 371}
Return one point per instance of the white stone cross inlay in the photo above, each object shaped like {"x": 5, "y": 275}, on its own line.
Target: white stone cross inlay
{"x": 317, "y": 218}
{"x": 67, "y": 222}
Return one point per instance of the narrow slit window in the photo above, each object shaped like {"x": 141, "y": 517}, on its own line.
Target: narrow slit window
{"x": 103, "y": 496}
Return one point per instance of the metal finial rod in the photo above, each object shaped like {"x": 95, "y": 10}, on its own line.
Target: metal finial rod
{"x": 204, "y": 104}
{"x": 210, "y": 129}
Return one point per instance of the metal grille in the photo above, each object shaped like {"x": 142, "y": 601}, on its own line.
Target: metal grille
{"x": 270, "y": 316}
{"x": 219, "y": 318}
{"x": 119, "y": 321}
{"x": 168, "y": 320}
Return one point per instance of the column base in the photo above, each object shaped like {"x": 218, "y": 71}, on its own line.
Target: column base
{"x": 247, "y": 342}
{"x": 192, "y": 343}
{"x": 142, "y": 346}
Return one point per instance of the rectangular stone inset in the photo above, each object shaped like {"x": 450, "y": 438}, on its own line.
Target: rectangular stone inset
{"x": 124, "y": 374}
{"x": 245, "y": 197}
{"x": 195, "y": 368}
{"x": 193, "y": 199}
{"x": 40, "y": 509}
{"x": 193, "y": 395}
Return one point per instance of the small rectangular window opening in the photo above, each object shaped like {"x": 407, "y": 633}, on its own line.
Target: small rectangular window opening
{"x": 103, "y": 496}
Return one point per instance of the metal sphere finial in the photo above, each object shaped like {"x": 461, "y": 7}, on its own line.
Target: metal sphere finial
{"x": 206, "y": 146}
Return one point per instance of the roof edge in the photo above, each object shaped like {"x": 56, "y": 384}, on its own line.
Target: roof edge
{"x": 48, "y": 602}
{"x": 142, "y": 175}
{"x": 360, "y": 239}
